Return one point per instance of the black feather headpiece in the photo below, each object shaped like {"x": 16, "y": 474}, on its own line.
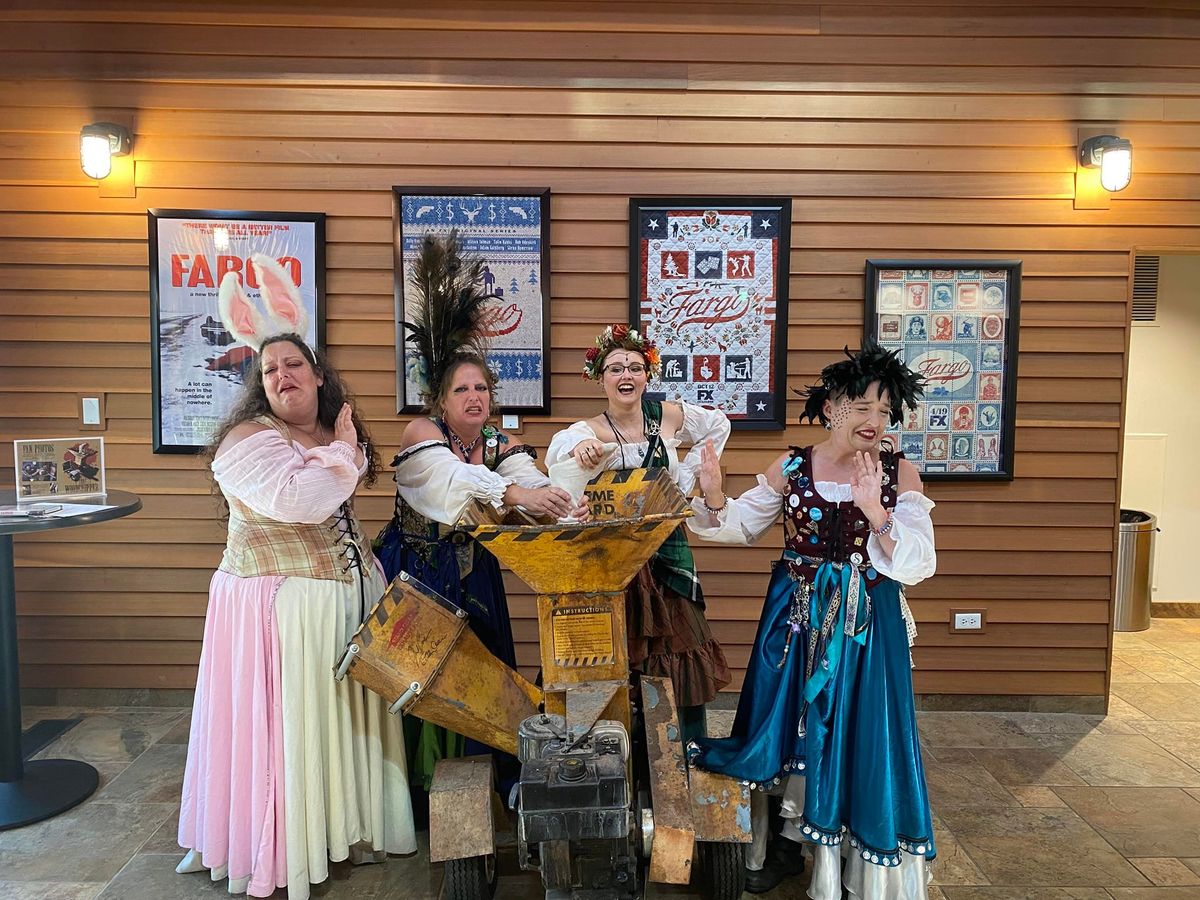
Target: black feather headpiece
{"x": 448, "y": 310}
{"x": 854, "y": 375}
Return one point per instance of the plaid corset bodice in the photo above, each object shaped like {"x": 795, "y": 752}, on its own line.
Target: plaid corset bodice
{"x": 335, "y": 550}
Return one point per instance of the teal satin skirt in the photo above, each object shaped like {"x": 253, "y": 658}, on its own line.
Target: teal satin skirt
{"x": 857, "y": 746}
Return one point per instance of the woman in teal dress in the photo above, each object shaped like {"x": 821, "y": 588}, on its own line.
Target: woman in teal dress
{"x": 826, "y": 716}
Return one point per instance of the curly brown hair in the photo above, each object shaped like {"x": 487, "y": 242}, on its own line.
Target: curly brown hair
{"x": 253, "y": 403}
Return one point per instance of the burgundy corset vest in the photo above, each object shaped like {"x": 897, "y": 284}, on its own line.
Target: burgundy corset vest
{"x": 818, "y": 530}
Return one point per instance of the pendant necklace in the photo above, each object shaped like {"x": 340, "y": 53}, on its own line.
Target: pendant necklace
{"x": 620, "y": 438}
{"x": 463, "y": 447}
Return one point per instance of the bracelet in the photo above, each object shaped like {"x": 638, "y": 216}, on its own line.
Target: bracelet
{"x": 704, "y": 500}
{"x": 887, "y": 526}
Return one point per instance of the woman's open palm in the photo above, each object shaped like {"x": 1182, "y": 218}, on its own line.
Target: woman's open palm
{"x": 709, "y": 474}
{"x": 866, "y": 484}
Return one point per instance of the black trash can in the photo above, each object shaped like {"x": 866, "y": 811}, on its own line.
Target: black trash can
{"x": 1135, "y": 570}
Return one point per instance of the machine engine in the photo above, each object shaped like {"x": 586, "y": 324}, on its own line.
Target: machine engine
{"x": 575, "y": 818}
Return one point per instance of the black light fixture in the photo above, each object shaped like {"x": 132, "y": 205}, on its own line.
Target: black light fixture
{"x": 1114, "y": 157}
{"x": 98, "y": 144}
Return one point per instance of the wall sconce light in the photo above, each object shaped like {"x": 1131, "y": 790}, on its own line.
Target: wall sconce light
{"x": 1113, "y": 155}
{"x": 98, "y": 144}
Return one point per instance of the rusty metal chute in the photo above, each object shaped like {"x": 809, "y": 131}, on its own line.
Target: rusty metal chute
{"x": 579, "y": 822}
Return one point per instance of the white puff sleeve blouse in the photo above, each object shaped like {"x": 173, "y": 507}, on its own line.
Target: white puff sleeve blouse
{"x": 746, "y": 518}
{"x": 284, "y": 480}
{"x": 699, "y": 426}
{"x": 438, "y": 484}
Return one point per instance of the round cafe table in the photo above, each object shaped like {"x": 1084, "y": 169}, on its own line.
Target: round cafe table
{"x": 41, "y": 788}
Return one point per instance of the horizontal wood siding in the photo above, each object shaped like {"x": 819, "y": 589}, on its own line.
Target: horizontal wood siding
{"x": 935, "y": 129}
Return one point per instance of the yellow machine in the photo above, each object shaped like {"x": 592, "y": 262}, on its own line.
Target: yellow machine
{"x": 606, "y": 800}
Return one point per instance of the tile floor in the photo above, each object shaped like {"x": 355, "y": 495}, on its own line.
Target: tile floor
{"x": 1029, "y": 806}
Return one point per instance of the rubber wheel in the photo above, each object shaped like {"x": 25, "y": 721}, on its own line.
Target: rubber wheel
{"x": 721, "y": 870}
{"x": 471, "y": 878}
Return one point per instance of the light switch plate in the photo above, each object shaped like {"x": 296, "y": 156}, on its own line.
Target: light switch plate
{"x": 509, "y": 422}
{"x": 91, "y": 412}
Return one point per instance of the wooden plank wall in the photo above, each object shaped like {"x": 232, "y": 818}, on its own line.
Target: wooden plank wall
{"x": 941, "y": 130}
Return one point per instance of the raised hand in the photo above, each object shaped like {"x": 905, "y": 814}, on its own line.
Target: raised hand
{"x": 343, "y": 426}
{"x": 709, "y": 476}
{"x": 866, "y": 486}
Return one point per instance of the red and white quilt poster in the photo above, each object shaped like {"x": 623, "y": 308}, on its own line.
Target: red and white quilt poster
{"x": 709, "y": 286}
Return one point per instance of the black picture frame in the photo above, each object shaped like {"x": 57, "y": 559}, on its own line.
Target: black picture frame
{"x": 185, "y": 410}
{"x": 737, "y": 306}
{"x": 957, "y": 322}
{"x": 487, "y": 218}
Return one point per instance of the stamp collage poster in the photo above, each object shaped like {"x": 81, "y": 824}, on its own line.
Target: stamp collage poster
{"x": 951, "y": 326}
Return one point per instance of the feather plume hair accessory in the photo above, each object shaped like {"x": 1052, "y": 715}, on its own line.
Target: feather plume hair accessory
{"x": 449, "y": 305}
{"x": 283, "y": 308}
{"x": 855, "y": 374}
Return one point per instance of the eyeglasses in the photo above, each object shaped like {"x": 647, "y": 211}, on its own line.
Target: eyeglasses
{"x": 617, "y": 369}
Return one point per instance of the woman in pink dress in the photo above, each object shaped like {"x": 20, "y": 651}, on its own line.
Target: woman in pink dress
{"x": 287, "y": 768}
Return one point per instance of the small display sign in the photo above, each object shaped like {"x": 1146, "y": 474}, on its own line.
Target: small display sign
{"x": 59, "y": 468}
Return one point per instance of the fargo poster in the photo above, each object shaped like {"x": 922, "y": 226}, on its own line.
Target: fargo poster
{"x": 198, "y": 366}
{"x": 954, "y": 322}
{"x": 708, "y": 284}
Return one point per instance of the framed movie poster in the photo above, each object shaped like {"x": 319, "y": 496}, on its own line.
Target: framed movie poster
{"x": 509, "y": 228}
{"x": 197, "y": 365}
{"x": 956, "y": 323}
{"x": 59, "y": 468}
{"x": 708, "y": 282}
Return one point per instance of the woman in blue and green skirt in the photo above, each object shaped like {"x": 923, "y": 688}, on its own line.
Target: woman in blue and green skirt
{"x": 826, "y": 716}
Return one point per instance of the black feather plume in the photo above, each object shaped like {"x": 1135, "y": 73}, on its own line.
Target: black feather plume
{"x": 854, "y": 375}
{"x": 449, "y": 306}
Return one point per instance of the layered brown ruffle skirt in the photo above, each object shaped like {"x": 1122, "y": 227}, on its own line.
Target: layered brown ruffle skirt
{"x": 669, "y": 636}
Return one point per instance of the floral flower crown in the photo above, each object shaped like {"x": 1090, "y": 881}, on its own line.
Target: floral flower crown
{"x": 619, "y": 337}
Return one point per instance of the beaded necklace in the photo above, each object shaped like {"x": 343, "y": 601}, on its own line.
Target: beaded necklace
{"x": 464, "y": 448}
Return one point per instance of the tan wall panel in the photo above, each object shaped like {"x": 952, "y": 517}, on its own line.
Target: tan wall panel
{"x": 716, "y": 128}
{"x": 992, "y": 682}
{"x": 76, "y": 609}
{"x": 111, "y": 653}
{"x": 895, "y": 135}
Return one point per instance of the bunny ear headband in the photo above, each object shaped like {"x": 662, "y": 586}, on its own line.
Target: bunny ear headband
{"x": 281, "y": 299}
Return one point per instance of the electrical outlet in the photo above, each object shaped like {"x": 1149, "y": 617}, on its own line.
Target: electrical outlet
{"x": 968, "y": 621}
